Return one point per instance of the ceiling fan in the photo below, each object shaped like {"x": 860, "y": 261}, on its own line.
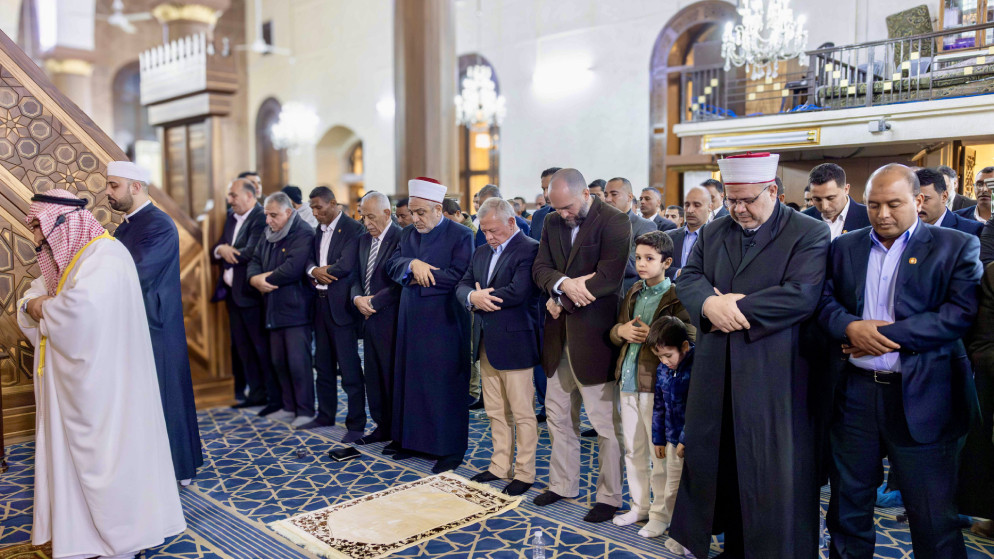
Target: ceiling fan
{"x": 259, "y": 45}
{"x": 122, "y": 20}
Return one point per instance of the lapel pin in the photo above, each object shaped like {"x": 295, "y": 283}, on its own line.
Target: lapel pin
{"x": 844, "y": 231}
{"x": 912, "y": 260}
{"x": 284, "y": 250}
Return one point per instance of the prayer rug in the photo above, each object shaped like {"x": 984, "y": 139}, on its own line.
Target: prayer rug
{"x": 396, "y": 518}
{"x": 26, "y": 551}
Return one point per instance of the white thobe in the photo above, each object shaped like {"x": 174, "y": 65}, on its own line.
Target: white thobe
{"x": 104, "y": 481}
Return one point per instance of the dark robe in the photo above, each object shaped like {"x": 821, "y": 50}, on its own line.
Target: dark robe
{"x": 780, "y": 271}
{"x": 432, "y": 364}
{"x": 976, "y": 476}
{"x": 151, "y": 238}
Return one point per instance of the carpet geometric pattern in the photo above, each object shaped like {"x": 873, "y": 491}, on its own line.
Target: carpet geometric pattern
{"x": 252, "y": 476}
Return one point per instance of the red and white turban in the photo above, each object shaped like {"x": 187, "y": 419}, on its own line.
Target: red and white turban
{"x": 66, "y": 235}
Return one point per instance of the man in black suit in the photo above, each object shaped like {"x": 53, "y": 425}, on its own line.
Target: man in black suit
{"x": 244, "y": 227}
{"x": 493, "y": 191}
{"x": 832, "y": 204}
{"x": 581, "y": 264}
{"x": 375, "y": 295}
{"x": 498, "y": 288}
{"x": 982, "y": 187}
{"x": 717, "y": 190}
{"x": 956, "y": 200}
{"x": 934, "y": 209}
{"x": 332, "y": 269}
{"x": 696, "y": 210}
{"x": 899, "y": 298}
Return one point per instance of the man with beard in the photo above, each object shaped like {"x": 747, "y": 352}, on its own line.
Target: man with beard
{"x": 151, "y": 238}
{"x": 580, "y": 265}
{"x": 104, "y": 481}
{"x": 752, "y": 279}
{"x": 432, "y": 356}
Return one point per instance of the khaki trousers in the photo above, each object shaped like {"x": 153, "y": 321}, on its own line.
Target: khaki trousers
{"x": 636, "y": 429}
{"x": 508, "y": 398}
{"x": 562, "y": 406}
{"x": 674, "y": 469}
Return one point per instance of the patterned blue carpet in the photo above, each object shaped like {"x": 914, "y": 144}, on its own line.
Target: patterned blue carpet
{"x": 252, "y": 476}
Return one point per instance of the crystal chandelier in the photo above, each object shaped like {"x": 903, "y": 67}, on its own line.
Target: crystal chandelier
{"x": 478, "y": 106}
{"x": 764, "y": 38}
{"x": 297, "y": 127}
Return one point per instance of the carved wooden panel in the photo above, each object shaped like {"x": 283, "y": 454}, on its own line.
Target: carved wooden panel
{"x": 47, "y": 142}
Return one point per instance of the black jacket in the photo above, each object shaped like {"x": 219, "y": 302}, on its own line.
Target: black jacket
{"x": 290, "y": 305}
{"x": 341, "y": 262}
{"x": 385, "y": 291}
{"x": 253, "y": 229}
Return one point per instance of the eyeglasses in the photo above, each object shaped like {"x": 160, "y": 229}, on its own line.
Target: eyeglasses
{"x": 730, "y": 203}
{"x": 987, "y": 184}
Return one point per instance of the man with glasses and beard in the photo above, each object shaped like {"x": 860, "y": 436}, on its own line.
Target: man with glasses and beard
{"x": 751, "y": 280}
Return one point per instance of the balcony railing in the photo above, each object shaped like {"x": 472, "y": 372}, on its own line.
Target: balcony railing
{"x": 863, "y": 75}
{"x": 182, "y": 67}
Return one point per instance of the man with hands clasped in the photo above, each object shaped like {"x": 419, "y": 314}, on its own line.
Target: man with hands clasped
{"x": 899, "y": 297}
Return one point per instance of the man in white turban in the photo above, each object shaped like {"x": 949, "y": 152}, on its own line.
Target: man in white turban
{"x": 104, "y": 480}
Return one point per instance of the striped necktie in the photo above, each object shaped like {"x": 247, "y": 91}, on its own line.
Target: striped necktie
{"x": 371, "y": 264}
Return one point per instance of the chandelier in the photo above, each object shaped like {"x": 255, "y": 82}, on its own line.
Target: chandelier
{"x": 764, "y": 38}
{"x": 478, "y": 106}
{"x": 297, "y": 127}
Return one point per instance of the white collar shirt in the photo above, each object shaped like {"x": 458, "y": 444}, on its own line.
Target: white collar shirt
{"x": 326, "y": 233}
{"x": 837, "y": 226}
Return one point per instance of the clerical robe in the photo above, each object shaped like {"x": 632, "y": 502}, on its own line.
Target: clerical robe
{"x": 432, "y": 365}
{"x": 104, "y": 480}
{"x": 151, "y": 238}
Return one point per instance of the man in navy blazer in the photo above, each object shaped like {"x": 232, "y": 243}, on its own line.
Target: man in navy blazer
{"x": 935, "y": 211}
{"x": 331, "y": 269}
{"x": 831, "y": 201}
{"x": 498, "y": 289}
{"x": 151, "y": 237}
{"x": 492, "y": 191}
{"x": 243, "y": 229}
{"x": 899, "y": 297}
{"x": 982, "y": 185}
{"x": 376, "y": 296}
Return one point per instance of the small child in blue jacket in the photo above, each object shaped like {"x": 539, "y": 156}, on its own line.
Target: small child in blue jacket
{"x": 670, "y": 342}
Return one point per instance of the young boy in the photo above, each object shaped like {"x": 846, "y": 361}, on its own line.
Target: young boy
{"x": 669, "y": 339}
{"x": 649, "y": 299}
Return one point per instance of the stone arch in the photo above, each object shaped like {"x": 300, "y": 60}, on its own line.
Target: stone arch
{"x": 333, "y": 167}
{"x": 670, "y": 54}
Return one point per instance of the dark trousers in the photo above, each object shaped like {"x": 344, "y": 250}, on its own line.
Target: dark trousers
{"x": 378, "y": 349}
{"x": 291, "y": 350}
{"x": 868, "y": 423}
{"x": 248, "y": 335}
{"x": 337, "y": 347}
{"x": 538, "y": 373}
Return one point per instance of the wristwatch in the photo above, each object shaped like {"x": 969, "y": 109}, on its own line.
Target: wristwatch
{"x": 24, "y": 305}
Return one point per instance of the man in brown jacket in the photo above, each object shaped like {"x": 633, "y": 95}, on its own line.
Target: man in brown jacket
{"x": 580, "y": 264}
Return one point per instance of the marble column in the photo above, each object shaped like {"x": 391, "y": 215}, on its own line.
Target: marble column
{"x": 70, "y": 71}
{"x": 425, "y": 87}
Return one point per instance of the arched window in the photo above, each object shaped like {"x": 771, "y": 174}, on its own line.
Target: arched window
{"x": 130, "y": 117}
{"x": 697, "y": 24}
{"x": 269, "y": 161}
{"x": 479, "y": 151}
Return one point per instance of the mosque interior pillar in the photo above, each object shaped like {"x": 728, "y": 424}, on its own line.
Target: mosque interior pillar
{"x": 71, "y": 70}
{"x": 424, "y": 87}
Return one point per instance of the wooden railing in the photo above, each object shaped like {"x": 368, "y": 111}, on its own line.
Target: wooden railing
{"x": 182, "y": 67}
{"x": 862, "y": 75}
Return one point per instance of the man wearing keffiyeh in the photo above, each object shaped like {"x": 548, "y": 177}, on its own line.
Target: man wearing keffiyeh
{"x": 104, "y": 480}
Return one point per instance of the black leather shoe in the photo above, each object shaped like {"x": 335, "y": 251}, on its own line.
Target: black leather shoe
{"x": 484, "y": 477}
{"x": 600, "y": 513}
{"x": 516, "y": 487}
{"x": 589, "y": 433}
{"x": 247, "y": 404}
{"x": 446, "y": 463}
{"x": 547, "y": 498}
{"x": 392, "y": 448}
{"x": 401, "y": 455}
{"x": 540, "y": 418}
{"x": 269, "y": 409}
{"x": 314, "y": 424}
{"x": 352, "y": 436}
{"x": 374, "y": 437}
{"x": 477, "y": 405}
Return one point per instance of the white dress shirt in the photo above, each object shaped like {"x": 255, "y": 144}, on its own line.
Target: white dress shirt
{"x": 140, "y": 208}
{"x": 323, "y": 251}
{"x": 229, "y": 274}
{"x": 836, "y": 227}
{"x": 976, "y": 214}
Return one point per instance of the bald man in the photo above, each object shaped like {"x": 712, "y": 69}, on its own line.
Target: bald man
{"x": 697, "y": 210}
{"x": 580, "y": 265}
{"x": 618, "y": 193}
